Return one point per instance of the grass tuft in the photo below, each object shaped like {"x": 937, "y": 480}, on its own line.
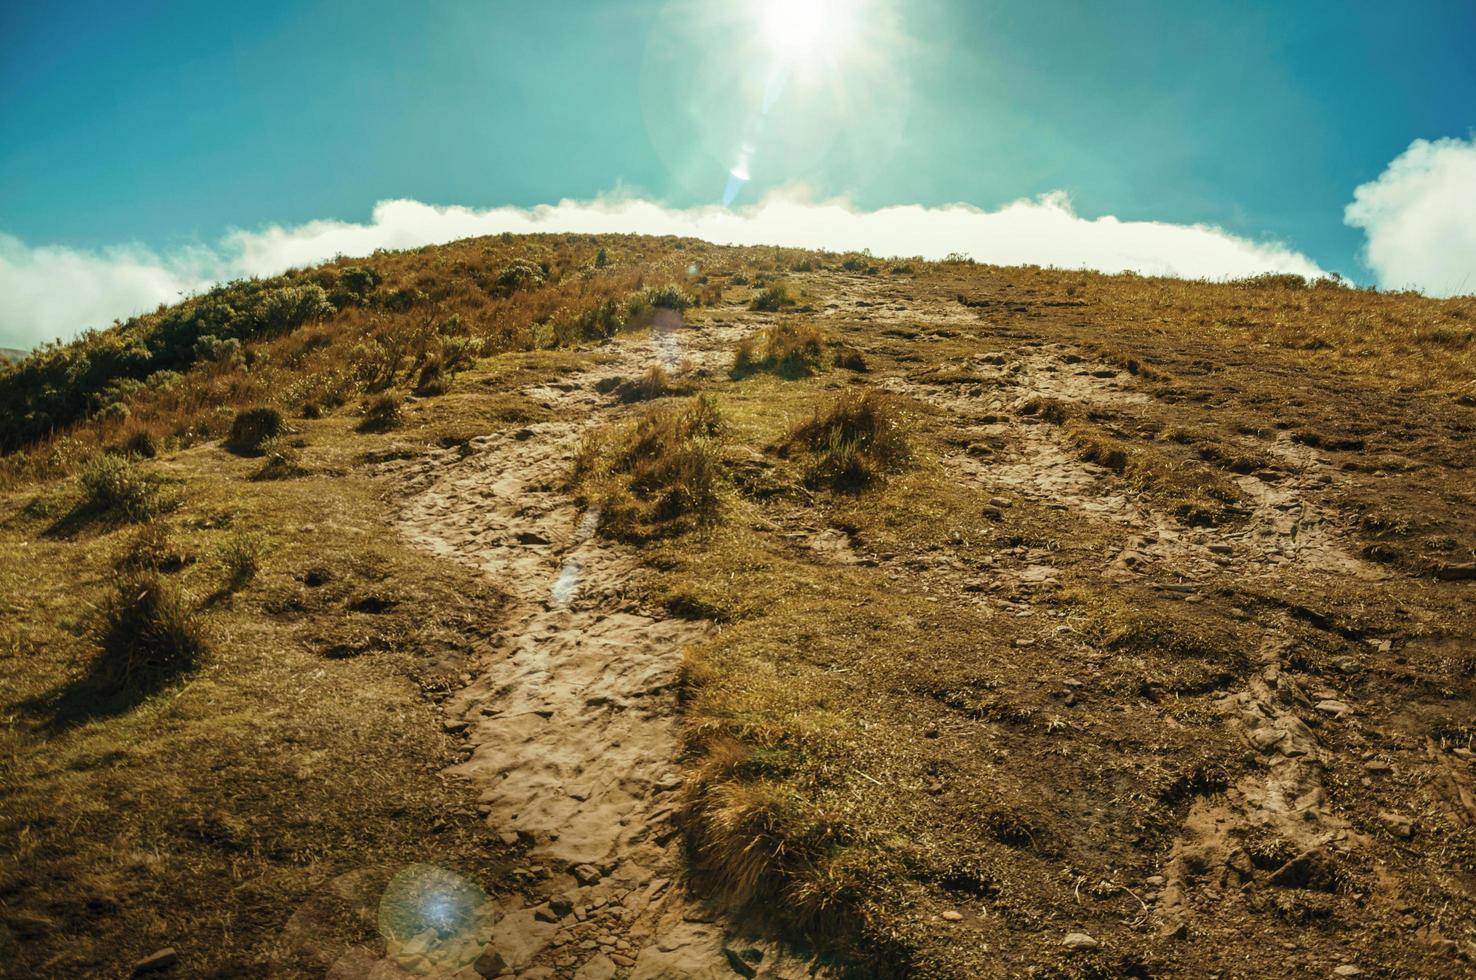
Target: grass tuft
{"x": 790, "y": 350}
{"x": 146, "y": 634}
{"x": 253, "y": 428}
{"x": 853, "y": 441}
{"x": 660, "y": 476}
{"x": 113, "y": 485}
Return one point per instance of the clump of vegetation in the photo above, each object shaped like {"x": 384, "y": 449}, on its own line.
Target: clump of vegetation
{"x": 113, "y": 485}
{"x": 253, "y": 428}
{"x": 1046, "y": 409}
{"x": 788, "y": 349}
{"x": 521, "y": 274}
{"x": 382, "y": 414}
{"x": 152, "y": 549}
{"x": 655, "y": 383}
{"x": 141, "y": 444}
{"x": 850, "y": 359}
{"x": 241, "y": 557}
{"x": 146, "y": 634}
{"x": 455, "y": 354}
{"x": 773, "y": 299}
{"x": 660, "y": 476}
{"x": 1193, "y": 491}
{"x": 854, "y": 441}
{"x": 282, "y": 462}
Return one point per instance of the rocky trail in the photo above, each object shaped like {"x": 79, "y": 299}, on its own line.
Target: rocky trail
{"x": 571, "y": 727}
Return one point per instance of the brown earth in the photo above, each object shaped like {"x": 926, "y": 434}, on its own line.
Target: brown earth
{"x": 1152, "y": 656}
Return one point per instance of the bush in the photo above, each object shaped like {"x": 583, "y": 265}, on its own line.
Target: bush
{"x": 772, "y": 300}
{"x": 854, "y": 441}
{"x": 382, "y": 414}
{"x": 146, "y": 635}
{"x": 111, "y": 484}
{"x": 252, "y": 428}
{"x": 521, "y": 274}
{"x": 290, "y": 307}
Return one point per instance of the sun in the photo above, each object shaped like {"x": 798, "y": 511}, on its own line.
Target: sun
{"x": 798, "y": 30}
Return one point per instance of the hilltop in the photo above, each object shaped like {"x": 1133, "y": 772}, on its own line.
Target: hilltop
{"x": 742, "y": 611}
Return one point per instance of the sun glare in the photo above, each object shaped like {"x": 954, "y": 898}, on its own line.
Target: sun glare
{"x": 799, "y": 29}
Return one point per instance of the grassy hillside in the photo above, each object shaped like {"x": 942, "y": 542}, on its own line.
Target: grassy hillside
{"x": 1017, "y": 621}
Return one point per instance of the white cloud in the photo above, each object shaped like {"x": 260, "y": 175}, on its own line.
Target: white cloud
{"x": 1420, "y": 218}
{"x": 52, "y": 291}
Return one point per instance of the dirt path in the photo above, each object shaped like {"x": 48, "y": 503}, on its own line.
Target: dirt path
{"x": 572, "y": 727}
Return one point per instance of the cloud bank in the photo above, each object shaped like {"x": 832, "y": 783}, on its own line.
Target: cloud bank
{"x": 1420, "y": 218}
{"x": 48, "y": 292}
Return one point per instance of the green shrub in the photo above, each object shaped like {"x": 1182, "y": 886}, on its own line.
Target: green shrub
{"x": 146, "y": 635}
{"x": 111, "y": 484}
{"x": 520, "y": 274}
{"x": 251, "y": 429}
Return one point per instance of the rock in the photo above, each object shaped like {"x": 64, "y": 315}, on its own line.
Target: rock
{"x": 586, "y": 874}
{"x": 1457, "y": 573}
{"x": 1397, "y": 824}
{"x": 454, "y": 727}
{"x": 740, "y": 965}
{"x": 1155, "y": 881}
{"x": 1079, "y": 942}
{"x": 156, "y": 961}
{"x": 598, "y": 968}
{"x": 1376, "y": 767}
{"x": 1332, "y": 707}
{"x": 561, "y": 905}
{"x": 953, "y": 916}
{"x": 490, "y": 963}
{"x": 546, "y": 913}
{"x": 993, "y": 514}
{"x": 509, "y": 837}
{"x": 1266, "y": 739}
{"x": 1347, "y": 970}
{"x": 1001, "y": 502}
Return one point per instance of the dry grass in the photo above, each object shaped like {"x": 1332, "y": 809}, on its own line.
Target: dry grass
{"x": 853, "y": 441}
{"x": 661, "y": 475}
{"x": 790, "y": 349}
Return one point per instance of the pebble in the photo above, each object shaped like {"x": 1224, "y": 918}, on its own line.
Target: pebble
{"x": 587, "y": 874}
{"x": 1347, "y": 970}
{"x": 953, "y": 916}
{"x": 1332, "y": 707}
{"x": 1079, "y": 941}
{"x": 158, "y": 960}
{"x": 1001, "y": 502}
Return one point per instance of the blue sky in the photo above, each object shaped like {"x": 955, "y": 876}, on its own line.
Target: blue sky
{"x": 169, "y": 123}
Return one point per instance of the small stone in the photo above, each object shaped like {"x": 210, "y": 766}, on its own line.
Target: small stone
{"x": 1155, "y": 881}
{"x": 561, "y": 905}
{"x": 1079, "y": 942}
{"x": 454, "y": 726}
{"x": 586, "y": 874}
{"x": 953, "y": 916}
{"x": 1221, "y": 549}
{"x": 1024, "y": 643}
{"x": 1397, "y": 824}
{"x": 546, "y": 913}
{"x": 509, "y": 837}
{"x": 156, "y": 961}
{"x": 993, "y": 514}
{"x": 598, "y": 968}
{"x": 490, "y": 963}
{"x": 1001, "y": 502}
{"x": 740, "y": 965}
{"x": 1332, "y": 707}
{"x": 1347, "y": 970}
{"x": 1266, "y": 738}
{"x": 1377, "y": 767}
